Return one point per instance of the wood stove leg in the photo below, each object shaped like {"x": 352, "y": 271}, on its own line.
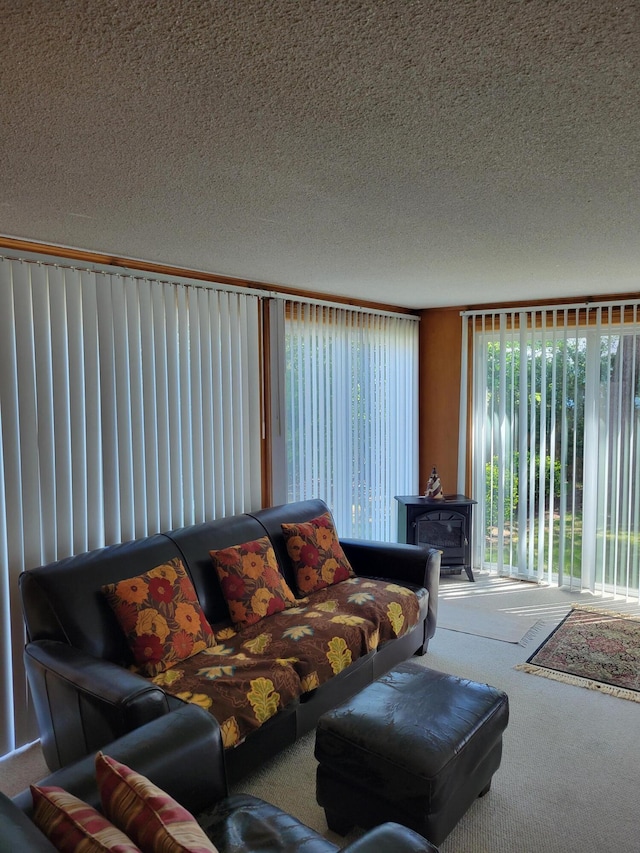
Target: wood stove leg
{"x": 469, "y": 572}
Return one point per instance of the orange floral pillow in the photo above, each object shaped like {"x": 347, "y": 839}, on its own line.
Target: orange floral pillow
{"x": 316, "y": 554}
{"x": 251, "y": 581}
{"x": 161, "y": 616}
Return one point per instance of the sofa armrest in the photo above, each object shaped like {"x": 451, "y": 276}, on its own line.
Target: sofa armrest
{"x": 82, "y": 702}
{"x": 416, "y": 564}
{"x": 180, "y": 752}
{"x": 390, "y": 838}
{"x": 17, "y": 833}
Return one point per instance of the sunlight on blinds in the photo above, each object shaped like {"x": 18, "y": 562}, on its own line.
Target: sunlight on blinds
{"x": 127, "y": 406}
{"x": 556, "y": 445}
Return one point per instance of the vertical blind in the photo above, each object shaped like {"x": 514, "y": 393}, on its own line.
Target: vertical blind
{"x": 351, "y": 413}
{"x": 127, "y": 406}
{"x": 556, "y": 444}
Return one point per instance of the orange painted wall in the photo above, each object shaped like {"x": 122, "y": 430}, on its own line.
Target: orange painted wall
{"x": 439, "y": 406}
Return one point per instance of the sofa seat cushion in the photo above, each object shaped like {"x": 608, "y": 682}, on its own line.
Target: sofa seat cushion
{"x": 252, "y": 674}
{"x": 242, "y": 690}
{"x": 344, "y": 622}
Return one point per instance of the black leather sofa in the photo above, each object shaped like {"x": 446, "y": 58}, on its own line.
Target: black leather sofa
{"x": 182, "y": 754}
{"x": 76, "y": 655}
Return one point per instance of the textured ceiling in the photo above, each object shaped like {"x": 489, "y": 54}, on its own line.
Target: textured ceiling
{"x": 411, "y": 153}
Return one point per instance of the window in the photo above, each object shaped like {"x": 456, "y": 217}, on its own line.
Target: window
{"x": 351, "y": 404}
{"x": 556, "y": 445}
{"x": 127, "y": 406}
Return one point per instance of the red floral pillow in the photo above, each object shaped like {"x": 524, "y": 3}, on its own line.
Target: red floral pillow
{"x": 251, "y": 581}
{"x": 316, "y": 554}
{"x": 161, "y": 616}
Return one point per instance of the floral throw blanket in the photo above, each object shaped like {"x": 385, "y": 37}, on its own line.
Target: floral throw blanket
{"x": 251, "y": 675}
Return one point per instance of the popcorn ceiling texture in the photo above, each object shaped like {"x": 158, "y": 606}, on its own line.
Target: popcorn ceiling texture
{"x": 449, "y": 152}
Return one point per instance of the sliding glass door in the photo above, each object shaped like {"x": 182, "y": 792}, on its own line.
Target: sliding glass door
{"x": 556, "y": 452}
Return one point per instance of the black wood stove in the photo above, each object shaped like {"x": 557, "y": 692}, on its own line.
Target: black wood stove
{"x": 444, "y": 523}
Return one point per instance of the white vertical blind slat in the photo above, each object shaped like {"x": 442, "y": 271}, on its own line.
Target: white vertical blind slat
{"x": 175, "y": 471}
{"x": 253, "y": 378}
{"x": 196, "y": 383}
{"x": 91, "y": 467}
{"x": 504, "y": 442}
{"x": 73, "y": 514}
{"x": 591, "y": 465}
{"x": 185, "y": 402}
{"x": 134, "y": 433}
{"x": 54, "y": 478}
{"x": 122, "y": 461}
{"x": 231, "y": 357}
{"x": 11, "y": 550}
{"x": 7, "y": 716}
{"x": 213, "y": 381}
{"x": 162, "y": 519}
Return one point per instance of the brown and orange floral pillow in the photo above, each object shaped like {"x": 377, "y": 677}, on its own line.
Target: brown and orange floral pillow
{"x": 161, "y": 616}
{"x": 316, "y": 554}
{"x": 251, "y": 581}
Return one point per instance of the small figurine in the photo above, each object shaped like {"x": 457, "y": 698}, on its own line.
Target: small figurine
{"x": 434, "y": 487}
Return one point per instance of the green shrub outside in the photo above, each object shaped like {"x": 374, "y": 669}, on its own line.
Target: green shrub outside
{"x": 511, "y": 478}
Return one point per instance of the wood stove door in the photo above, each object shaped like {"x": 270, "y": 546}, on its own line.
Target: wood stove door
{"x": 446, "y": 530}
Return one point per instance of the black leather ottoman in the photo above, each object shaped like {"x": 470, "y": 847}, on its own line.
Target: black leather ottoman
{"x": 416, "y": 747}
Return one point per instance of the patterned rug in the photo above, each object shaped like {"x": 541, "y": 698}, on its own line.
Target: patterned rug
{"x": 592, "y": 648}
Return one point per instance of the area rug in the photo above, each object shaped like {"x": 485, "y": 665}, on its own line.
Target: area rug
{"x": 592, "y": 648}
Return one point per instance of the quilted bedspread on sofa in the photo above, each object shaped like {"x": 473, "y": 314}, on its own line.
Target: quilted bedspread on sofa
{"x": 252, "y": 674}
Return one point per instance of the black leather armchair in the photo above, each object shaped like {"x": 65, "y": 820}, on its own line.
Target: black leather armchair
{"x": 182, "y": 753}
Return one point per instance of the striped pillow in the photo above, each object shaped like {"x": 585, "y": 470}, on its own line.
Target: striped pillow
{"x": 73, "y": 826}
{"x": 153, "y": 819}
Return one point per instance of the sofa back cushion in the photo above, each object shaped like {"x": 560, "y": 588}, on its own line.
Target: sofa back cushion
{"x": 63, "y": 600}
{"x": 196, "y": 541}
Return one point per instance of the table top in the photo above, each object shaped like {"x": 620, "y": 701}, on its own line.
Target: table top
{"x": 413, "y": 500}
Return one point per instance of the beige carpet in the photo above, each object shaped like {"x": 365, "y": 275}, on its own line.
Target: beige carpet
{"x": 504, "y": 626}
{"x": 22, "y": 768}
{"x": 488, "y": 608}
